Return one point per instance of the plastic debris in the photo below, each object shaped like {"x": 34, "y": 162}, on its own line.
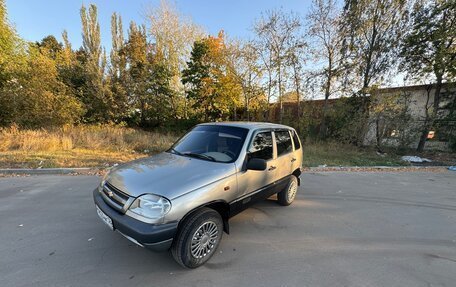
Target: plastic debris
{"x": 453, "y": 168}
{"x": 412, "y": 158}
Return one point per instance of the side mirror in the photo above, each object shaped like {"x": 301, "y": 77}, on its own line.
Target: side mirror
{"x": 256, "y": 164}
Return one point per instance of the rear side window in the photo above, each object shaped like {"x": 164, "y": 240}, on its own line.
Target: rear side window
{"x": 262, "y": 146}
{"x": 296, "y": 141}
{"x": 283, "y": 140}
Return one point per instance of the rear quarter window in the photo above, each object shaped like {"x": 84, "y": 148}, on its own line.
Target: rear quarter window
{"x": 296, "y": 141}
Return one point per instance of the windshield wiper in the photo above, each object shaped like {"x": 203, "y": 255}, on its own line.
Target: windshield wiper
{"x": 199, "y": 155}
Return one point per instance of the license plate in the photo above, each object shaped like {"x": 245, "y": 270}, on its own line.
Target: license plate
{"x": 105, "y": 218}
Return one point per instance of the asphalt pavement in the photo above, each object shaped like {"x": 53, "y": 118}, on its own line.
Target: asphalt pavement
{"x": 344, "y": 229}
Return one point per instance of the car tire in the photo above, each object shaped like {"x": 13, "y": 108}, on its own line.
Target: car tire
{"x": 287, "y": 196}
{"x": 198, "y": 238}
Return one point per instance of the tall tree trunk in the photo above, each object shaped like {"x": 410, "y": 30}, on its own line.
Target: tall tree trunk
{"x": 429, "y": 121}
{"x": 269, "y": 96}
{"x": 298, "y": 95}
{"x": 426, "y": 124}
{"x": 323, "y": 128}
{"x": 280, "y": 94}
{"x": 438, "y": 88}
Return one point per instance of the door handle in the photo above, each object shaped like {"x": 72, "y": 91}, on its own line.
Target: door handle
{"x": 271, "y": 168}
{"x": 293, "y": 160}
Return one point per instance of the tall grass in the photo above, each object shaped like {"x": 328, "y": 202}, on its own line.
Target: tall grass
{"x": 103, "y": 137}
{"x": 339, "y": 154}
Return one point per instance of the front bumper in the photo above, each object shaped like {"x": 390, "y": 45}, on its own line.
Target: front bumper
{"x": 155, "y": 237}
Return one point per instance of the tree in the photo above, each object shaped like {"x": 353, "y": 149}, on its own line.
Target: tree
{"x": 52, "y": 46}
{"x": 324, "y": 29}
{"x": 173, "y": 35}
{"x": 390, "y": 114}
{"x": 244, "y": 64}
{"x": 275, "y": 30}
{"x": 8, "y": 44}
{"x": 97, "y": 96}
{"x": 71, "y": 68}
{"x": 136, "y": 56}
{"x": 212, "y": 87}
{"x": 429, "y": 50}
{"x": 117, "y": 69}
{"x": 39, "y": 91}
{"x": 295, "y": 60}
{"x": 265, "y": 54}
{"x": 12, "y": 67}
{"x": 373, "y": 30}
{"x": 148, "y": 78}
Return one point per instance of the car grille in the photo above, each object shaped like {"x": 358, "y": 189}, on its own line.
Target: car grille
{"x": 115, "y": 197}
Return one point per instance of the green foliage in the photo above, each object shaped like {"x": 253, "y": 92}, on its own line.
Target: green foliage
{"x": 429, "y": 50}
{"x": 168, "y": 76}
{"x": 96, "y": 93}
{"x": 117, "y": 70}
{"x": 373, "y": 30}
{"x": 37, "y": 97}
{"x": 12, "y": 50}
{"x": 197, "y": 70}
{"x": 148, "y": 79}
{"x": 211, "y": 86}
{"x": 430, "y": 46}
{"x": 31, "y": 91}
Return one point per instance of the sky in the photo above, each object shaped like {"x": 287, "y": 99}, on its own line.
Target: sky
{"x": 34, "y": 20}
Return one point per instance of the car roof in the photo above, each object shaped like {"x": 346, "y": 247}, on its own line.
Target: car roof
{"x": 250, "y": 125}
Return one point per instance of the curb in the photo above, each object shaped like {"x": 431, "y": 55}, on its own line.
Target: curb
{"x": 98, "y": 171}
{"x": 35, "y": 171}
{"x": 374, "y": 168}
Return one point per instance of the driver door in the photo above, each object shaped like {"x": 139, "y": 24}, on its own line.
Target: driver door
{"x": 253, "y": 184}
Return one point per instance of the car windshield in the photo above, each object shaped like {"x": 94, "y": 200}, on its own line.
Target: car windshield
{"x": 212, "y": 143}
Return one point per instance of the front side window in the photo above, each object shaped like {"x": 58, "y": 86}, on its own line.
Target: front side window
{"x": 261, "y": 146}
{"x": 211, "y": 142}
{"x": 283, "y": 141}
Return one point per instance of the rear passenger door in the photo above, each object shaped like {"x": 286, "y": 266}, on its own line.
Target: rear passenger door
{"x": 284, "y": 147}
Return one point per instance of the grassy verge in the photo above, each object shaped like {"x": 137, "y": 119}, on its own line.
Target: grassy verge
{"x": 81, "y": 146}
{"x": 100, "y": 146}
{"x": 335, "y": 154}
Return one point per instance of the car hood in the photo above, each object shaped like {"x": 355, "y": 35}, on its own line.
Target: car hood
{"x": 167, "y": 174}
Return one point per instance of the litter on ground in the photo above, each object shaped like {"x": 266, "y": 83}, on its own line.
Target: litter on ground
{"x": 412, "y": 158}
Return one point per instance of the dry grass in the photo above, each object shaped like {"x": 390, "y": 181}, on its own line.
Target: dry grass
{"x": 336, "y": 154}
{"x": 78, "y": 146}
{"x": 99, "y": 146}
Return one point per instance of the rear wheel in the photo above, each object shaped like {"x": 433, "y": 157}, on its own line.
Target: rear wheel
{"x": 198, "y": 238}
{"x": 287, "y": 196}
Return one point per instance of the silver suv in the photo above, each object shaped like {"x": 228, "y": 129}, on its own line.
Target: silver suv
{"x": 182, "y": 199}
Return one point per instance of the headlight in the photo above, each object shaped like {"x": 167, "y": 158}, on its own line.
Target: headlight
{"x": 150, "y": 206}
{"x": 103, "y": 181}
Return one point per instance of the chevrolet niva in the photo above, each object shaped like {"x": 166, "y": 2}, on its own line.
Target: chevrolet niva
{"x": 182, "y": 199}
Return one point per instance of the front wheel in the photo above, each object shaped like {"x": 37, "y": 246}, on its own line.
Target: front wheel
{"x": 286, "y": 196}
{"x": 198, "y": 238}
